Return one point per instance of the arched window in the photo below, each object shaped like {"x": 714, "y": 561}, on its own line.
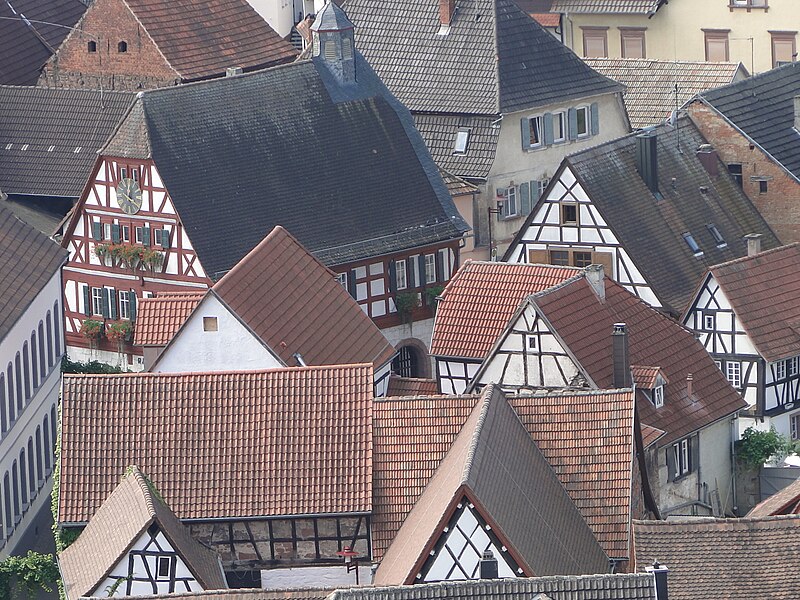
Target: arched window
{"x": 407, "y": 362}
{"x": 50, "y": 358}
{"x": 15, "y": 488}
{"x": 42, "y": 363}
{"x": 92, "y": 46}
{"x": 18, "y": 370}
{"x": 54, "y": 428}
{"x": 31, "y": 468}
{"x": 34, "y": 361}
{"x": 39, "y": 471}
{"x": 3, "y": 411}
{"x": 9, "y": 516}
{"x": 122, "y": 46}
{"x": 26, "y": 370}
{"x": 57, "y": 328}
{"x": 23, "y": 479}
{"x": 46, "y": 439}
{"x": 12, "y": 411}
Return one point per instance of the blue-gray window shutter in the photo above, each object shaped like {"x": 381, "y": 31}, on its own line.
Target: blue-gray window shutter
{"x": 115, "y": 233}
{"x": 104, "y": 297}
{"x": 392, "y": 277}
{"x": 87, "y": 301}
{"x": 145, "y": 236}
{"x": 112, "y": 302}
{"x": 572, "y": 120}
{"x": 132, "y": 305}
{"x": 595, "y": 119}
{"x": 412, "y": 280}
{"x": 439, "y": 266}
{"x": 423, "y": 278}
{"x": 548, "y": 129}
{"x": 165, "y": 238}
{"x": 526, "y": 133}
{"x": 97, "y": 230}
{"x": 351, "y": 283}
{"x": 670, "y": 462}
{"x": 525, "y": 198}
{"x": 536, "y": 192}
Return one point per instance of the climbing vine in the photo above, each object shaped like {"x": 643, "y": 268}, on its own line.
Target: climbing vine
{"x": 28, "y": 574}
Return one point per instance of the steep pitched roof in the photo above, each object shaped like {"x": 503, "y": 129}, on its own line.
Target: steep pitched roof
{"x": 438, "y": 130}
{"x": 254, "y": 129}
{"x": 783, "y": 502}
{"x": 411, "y": 386}
{"x": 28, "y": 262}
{"x": 49, "y": 137}
{"x": 651, "y": 229}
{"x": 300, "y": 437}
{"x": 159, "y": 318}
{"x": 628, "y": 586}
{"x": 495, "y": 58}
{"x": 736, "y": 559}
{"x": 247, "y": 594}
{"x": 124, "y": 516}
{"x": 295, "y": 305}
{"x": 650, "y": 94}
{"x": 763, "y": 107}
{"x": 585, "y": 324}
{"x": 30, "y": 32}
{"x": 494, "y": 462}
{"x": 764, "y": 291}
{"x": 480, "y": 299}
{"x": 636, "y": 7}
{"x": 646, "y": 377}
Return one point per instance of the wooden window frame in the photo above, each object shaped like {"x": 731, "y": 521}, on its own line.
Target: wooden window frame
{"x": 562, "y": 218}
{"x": 718, "y": 35}
{"x": 210, "y": 324}
{"x": 783, "y": 36}
{"x": 632, "y": 32}
{"x": 598, "y": 257}
{"x": 595, "y": 32}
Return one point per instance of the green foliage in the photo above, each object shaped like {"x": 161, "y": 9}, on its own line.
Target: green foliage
{"x": 431, "y": 294}
{"x": 28, "y": 573}
{"x": 91, "y": 329}
{"x": 757, "y": 447}
{"x": 68, "y": 366}
{"x": 119, "y": 331}
{"x": 406, "y": 302}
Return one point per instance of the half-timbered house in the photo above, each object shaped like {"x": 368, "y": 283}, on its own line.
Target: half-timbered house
{"x": 155, "y": 218}
{"x": 746, "y": 313}
{"x": 134, "y": 545}
{"x": 655, "y": 209}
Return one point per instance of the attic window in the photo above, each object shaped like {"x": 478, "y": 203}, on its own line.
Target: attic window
{"x": 718, "y": 239}
{"x": 210, "y": 324}
{"x": 462, "y": 137}
{"x": 91, "y": 47}
{"x": 690, "y": 241}
{"x": 658, "y": 396}
{"x": 122, "y": 47}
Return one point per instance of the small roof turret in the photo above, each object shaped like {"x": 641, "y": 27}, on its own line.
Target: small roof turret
{"x": 331, "y": 18}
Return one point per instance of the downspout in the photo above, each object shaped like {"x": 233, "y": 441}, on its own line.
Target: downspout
{"x": 734, "y": 434}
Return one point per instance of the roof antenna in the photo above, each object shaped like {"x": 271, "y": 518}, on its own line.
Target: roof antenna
{"x": 677, "y": 121}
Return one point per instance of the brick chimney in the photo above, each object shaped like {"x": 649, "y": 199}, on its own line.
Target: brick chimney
{"x": 447, "y": 9}
{"x": 708, "y": 158}
{"x": 753, "y": 243}
{"x": 620, "y": 357}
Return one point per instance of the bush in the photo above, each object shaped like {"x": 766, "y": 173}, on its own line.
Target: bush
{"x": 757, "y": 447}
{"x": 96, "y": 367}
{"x": 28, "y": 573}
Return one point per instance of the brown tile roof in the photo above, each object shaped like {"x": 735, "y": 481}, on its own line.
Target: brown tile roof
{"x": 783, "y": 502}
{"x": 202, "y": 39}
{"x": 650, "y": 435}
{"x": 307, "y": 309}
{"x": 28, "y": 261}
{"x": 479, "y": 300}
{"x": 547, "y": 19}
{"x": 411, "y": 386}
{"x": 650, "y": 95}
{"x": 245, "y": 594}
{"x": 645, "y": 377}
{"x": 764, "y": 291}
{"x": 457, "y": 186}
{"x": 124, "y": 516}
{"x": 222, "y": 445}
{"x": 159, "y": 318}
{"x": 735, "y": 559}
{"x": 640, "y": 7}
{"x": 585, "y": 324}
{"x": 494, "y": 462}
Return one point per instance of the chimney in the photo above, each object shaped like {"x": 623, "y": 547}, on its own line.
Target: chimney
{"x": 647, "y": 159}
{"x": 753, "y": 243}
{"x": 299, "y": 359}
{"x": 797, "y": 113}
{"x": 231, "y": 71}
{"x": 621, "y": 360}
{"x": 447, "y": 9}
{"x": 595, "y": 275}
{"x": 488, "y": 568}
{"x": 689, "y": 385}
{"x": 708, "y": 158}
{"x": 660, "y": 578}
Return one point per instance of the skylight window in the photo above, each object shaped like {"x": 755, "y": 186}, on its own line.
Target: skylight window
{"x": 718, "y": 239}
{"x": 690, "y": 241}
{"x": 462, "y": 137}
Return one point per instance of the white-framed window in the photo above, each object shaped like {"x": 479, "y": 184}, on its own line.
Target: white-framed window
{"x": 97, "y": 301}
{"x": 163, "y": 567}
{"x": 400, "y": 274}
{"x": 536, "y": 128}
{"x": 460, "y": 146}
{"x": 106, "y": 231}
{"x": 541, "y": 186}
{"x": 584, "y": 126}
{"x": 139, "y": 235}
{"x": 682, "y": 457}
{"x": 569, "y": 213}
{"x": 559, "y": 127}
{"x": 126, "y": 233}
{"x": 124, "y": 305}
{"x": 342, "y": 279}
{"x": 510, "y": 207}
{"x": 709, "y": 321}
{"x": 793, "y": 366}
{"x": 658, "y": 396}
{"x": 733, "y": 373}
{"x": 780, "y": 369}
{"x": 157, "y": 236}
{"x": 430, "y": 268}
{"x": 794, "y": 426}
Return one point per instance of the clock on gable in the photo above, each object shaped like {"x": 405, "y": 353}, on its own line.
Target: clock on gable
{"x": 129, "y": 196}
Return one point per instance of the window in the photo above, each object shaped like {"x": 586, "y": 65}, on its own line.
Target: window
{"x": 559, "y": 127}
{"x": 749, "y": 3}
{"x": 122, "y": 46}
{"x": 541, "y": 186}
{"x": 430, "y": 268}
{"x": 784, "y": 49}
{"x": 658, "y": 396}
{"x": 123, "y": 172}
{"x": 718, "y": 239}
{"x": 164, "y": 567}
{"x": 559, "y": 257}
{"x": 794, "y": 422}
{"x": 157, "y": 236}
{"x": 532, "y": 344}
{"x": 462, "y": 137}
{"x": 709, "y": 322}
{"x": 581, "y": 259}
{"x": 135, "y": 173}
{"x": 735, "y": 169}
{"x": 583, "y": 121}
{"x": 763, "y": 188}
{"x": 595, "y": 43}
{"x": 681, "y": 456}
{"x": 780, "y": 370}
{"x": 536, "y": 131}
{"x": 124, "y": 305}
{"x": 792, "y": 366}
{"x": 400, "y": 274}
{"x": 510, "y": 202}
{"x": 733, "y": 373}
{"x": 716, "y": 45}
{"x": 210, "y": 324}
{"x": 97, "y": 301}
{"x": 342, "y": 279}
{"x": 632, "y": 42}
{"x": 139, "y": 234}
{"x": 126, "y": 233}
{"x": 106, "y": 231}
{"x": 91, "y": 47}
{"x": 569, "y": 214}
{"x": 690, "y": 241}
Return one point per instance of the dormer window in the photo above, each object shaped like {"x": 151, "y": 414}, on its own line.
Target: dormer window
{"x": 658, "y": 396}
{"x": 690, "y": 241}
{"x": 718, "y": 239}
{"x": 462, "y": 138}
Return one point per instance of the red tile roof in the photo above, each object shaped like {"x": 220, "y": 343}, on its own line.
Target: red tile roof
{"x": 295, "y": 305}
{"x": 547, "y": 19}
{"x": 764, "y": 291}
{"x": 221, "y": 445}
{"x": 159, "y": 318}
{"x": 411, "y": 386}
{"x": 650, "y": 435}
{"x": 480, "y": 299}
{"x": 645, "y": 377}
{"x": 202, "y": 39}
{"x": 782, "y": 502}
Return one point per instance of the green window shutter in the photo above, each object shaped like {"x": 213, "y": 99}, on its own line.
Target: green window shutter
{"x": 132, "y": 305}
{"x": 548, "y": 129}
{"x": 525, "y": 198}
{"x": 694, "y": 452}
{"x": 411, "y": 275}
{"x": 97, "y": 230}
{"x": 105, "y": 303}
{"x": 115, "y": 233}
{"x": 145, "y": 236}
{"x": 439, "y": 266}
{"x": 595, "y": 119}
{"x": 351, "y": 283}
{"x": 526, "y": 133}
{"x": 670, "y": 462}
{"x": 392, "y": 277}
{"x": 572, "y": 122}
{"x": 112, "y": 303}
{"x": 165, "y": 238}
{"x": 87, "y": 301}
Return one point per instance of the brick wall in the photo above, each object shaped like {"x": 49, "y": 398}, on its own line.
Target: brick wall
{"x": 780, "y": 205}
{"x": 107, "y": 23}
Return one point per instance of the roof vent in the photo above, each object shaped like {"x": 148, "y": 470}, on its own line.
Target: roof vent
{"x": 231, "y": 71}
{"x": 647, "y": 159}
{"x": 753, "y": 243}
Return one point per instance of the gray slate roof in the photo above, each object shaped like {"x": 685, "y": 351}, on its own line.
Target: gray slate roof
{"x": 495, "y": 59}
{"x": 331, "y": 17}
{"x": 291, "y": 146}
{"x": 632, "y": 586}
{"x": 439, "y": 133}
{"x": 763, "y": 107}
{"x": 28, "y": 261}
{"x": 49, "y": 138}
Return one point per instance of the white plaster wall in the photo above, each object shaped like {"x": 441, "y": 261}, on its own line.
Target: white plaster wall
{"x": 231, "y": 348}
{"x": 716, "y": 469}
{"x": 314, "y": 577}
{"x": 278, "y": 13}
